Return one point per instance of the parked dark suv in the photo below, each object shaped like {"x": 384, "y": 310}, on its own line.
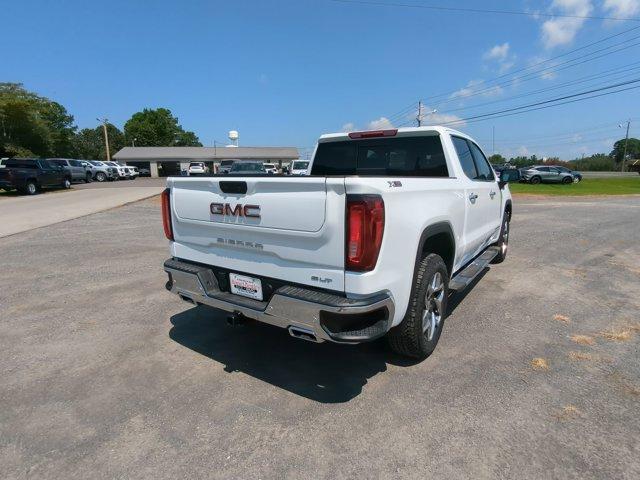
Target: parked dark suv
{"x": 76, "y": 168}
{"x": 28, "y": 175}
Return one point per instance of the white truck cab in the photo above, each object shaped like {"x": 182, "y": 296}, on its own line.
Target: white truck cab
{"x": 370, "y": 243}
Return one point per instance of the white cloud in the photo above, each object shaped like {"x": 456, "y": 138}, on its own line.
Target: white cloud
{"x": 498, "y": 52}
{"x": 476, "y": 87}
{"x": 523, "y": 151}
{"x": 501, "y": 54}
{"x": 380, "y": 124}
{"x": 562, "y": 31}
{"x": 622, "y": 8}
{"x": 348, "y": 127}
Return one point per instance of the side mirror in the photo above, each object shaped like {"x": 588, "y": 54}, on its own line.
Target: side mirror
{"x": 509, "y": 175}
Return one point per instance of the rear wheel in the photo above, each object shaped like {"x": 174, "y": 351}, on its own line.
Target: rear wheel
{"x": 88, "y": 178}
{"x": 535, "y": 180}
{"x": 503, "y": 242}
{"x": 419, "y": 332}
{"x": 31, "y": 188}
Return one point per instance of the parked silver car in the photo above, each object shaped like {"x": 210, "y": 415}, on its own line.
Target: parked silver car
{"x": 545, "y": 174}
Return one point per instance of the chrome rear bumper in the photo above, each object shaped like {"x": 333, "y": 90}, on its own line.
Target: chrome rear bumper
{"x": 307, "y": 314}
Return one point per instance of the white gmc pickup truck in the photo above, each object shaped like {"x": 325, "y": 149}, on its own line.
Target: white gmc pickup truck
{"x": 369, "y": 244}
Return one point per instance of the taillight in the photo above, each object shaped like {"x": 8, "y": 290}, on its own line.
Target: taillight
{"x": 166, "y": 214}
{"x": 365, "y": 225}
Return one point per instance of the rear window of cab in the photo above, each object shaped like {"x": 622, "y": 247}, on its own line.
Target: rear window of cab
{"x": 421, "y": 156}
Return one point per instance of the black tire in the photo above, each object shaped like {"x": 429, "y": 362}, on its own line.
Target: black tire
{"x": 66, "y": 183}
{"x": 30, "y": 188}
{"x": 567, "y": 180}
{"x": 535, "y": 180}
{"x": 411, "y": 338}
{"x": 88, "y": 178}
{"x": 503, "y": 242}
{"x": 101, "y": 176}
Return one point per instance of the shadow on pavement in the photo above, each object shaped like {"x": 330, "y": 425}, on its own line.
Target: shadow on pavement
{"x": 326, "y": 372}
{"x": 456, "y": 298}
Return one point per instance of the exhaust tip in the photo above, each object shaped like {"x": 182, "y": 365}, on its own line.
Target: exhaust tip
{"x": 303, "y": 334}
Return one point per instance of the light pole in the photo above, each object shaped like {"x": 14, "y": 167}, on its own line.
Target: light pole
{"x": 133, "y": 142}
{"x": 421, "y": 115}
{"x": 106, "y": 136}
{"x": 626, "y": 144}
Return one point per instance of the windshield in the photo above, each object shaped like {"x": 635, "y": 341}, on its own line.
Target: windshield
{"x": 247, "y": 167}
{"x": 300, "y": 165}
{"x": 96, "y": 163}
{"x": 226, "y": 163}
{"x": 196, "y": 164}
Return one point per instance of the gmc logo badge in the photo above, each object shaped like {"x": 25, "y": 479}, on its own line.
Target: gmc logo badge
{"x": 249, "y": 211}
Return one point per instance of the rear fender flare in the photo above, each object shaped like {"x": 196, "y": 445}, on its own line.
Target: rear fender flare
{"x": 430, "y": 231}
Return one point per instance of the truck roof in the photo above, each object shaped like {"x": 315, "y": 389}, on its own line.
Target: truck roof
{"x": 406, "y": 131}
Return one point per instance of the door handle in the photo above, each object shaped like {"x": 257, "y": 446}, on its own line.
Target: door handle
{"x": 492, "y": 194}
{"x": 473, "y": 197}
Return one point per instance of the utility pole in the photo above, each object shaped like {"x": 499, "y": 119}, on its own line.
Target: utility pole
{"x": 106, "y": 137}
{"x": 419, "y": 117}
{"x": 493, "y": 139}
{"x": 626, "y": 144}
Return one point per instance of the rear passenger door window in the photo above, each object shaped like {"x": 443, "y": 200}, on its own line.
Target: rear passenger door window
{"x": 465, "y": 157}
{"x": 485, "y": 172}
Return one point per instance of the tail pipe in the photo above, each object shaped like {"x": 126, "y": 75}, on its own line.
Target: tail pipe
{"x": 303, "y": 333}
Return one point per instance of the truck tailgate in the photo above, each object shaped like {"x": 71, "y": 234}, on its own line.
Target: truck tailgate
{"x": 288, "y": 228}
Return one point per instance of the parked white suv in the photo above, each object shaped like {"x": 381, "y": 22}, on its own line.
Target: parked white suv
{"x": 133, "y": 172}
{"x": 122, "y": 173}
{"x": 270, "y": 168}
{"x": 300, "y": 167}
{"x": 371, "y": 243}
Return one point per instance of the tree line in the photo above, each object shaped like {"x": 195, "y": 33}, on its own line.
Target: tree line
{"x": 599, "y": 162}
{"x": 35, "y": 126}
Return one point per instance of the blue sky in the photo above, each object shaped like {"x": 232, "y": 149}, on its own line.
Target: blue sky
{"x": 284, "y": 72}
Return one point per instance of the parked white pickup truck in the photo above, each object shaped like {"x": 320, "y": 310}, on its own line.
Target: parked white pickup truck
{"x": 369, "y": 244}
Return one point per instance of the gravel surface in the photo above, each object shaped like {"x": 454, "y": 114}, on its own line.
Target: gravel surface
{"x": 107, "y": 375}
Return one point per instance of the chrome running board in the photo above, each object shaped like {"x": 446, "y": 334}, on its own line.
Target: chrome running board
{"x": 464, "y": 277}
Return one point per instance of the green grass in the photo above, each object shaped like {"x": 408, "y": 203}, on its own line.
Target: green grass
{"x": 588, "y": 186}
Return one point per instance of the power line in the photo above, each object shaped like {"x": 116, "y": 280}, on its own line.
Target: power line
{"x": 500, "y": 115}
{"x": 484, "y": 11}
{"x": 402, "y": 114}
{"x": 553, "y": 69}
{"x": 566, "y": 99}
{"x": 542, "y": 62}
{"x": 617, "y": 72}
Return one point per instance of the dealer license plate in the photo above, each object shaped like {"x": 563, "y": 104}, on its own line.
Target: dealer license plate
{"x": 246, "y": 286}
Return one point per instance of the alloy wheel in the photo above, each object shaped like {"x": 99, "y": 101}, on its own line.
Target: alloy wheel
{"x": 432, "y": 313}
{"x": 505, "y": 237}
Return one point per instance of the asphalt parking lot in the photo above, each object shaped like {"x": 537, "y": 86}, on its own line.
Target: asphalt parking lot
{"x": 106, "y": 375}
